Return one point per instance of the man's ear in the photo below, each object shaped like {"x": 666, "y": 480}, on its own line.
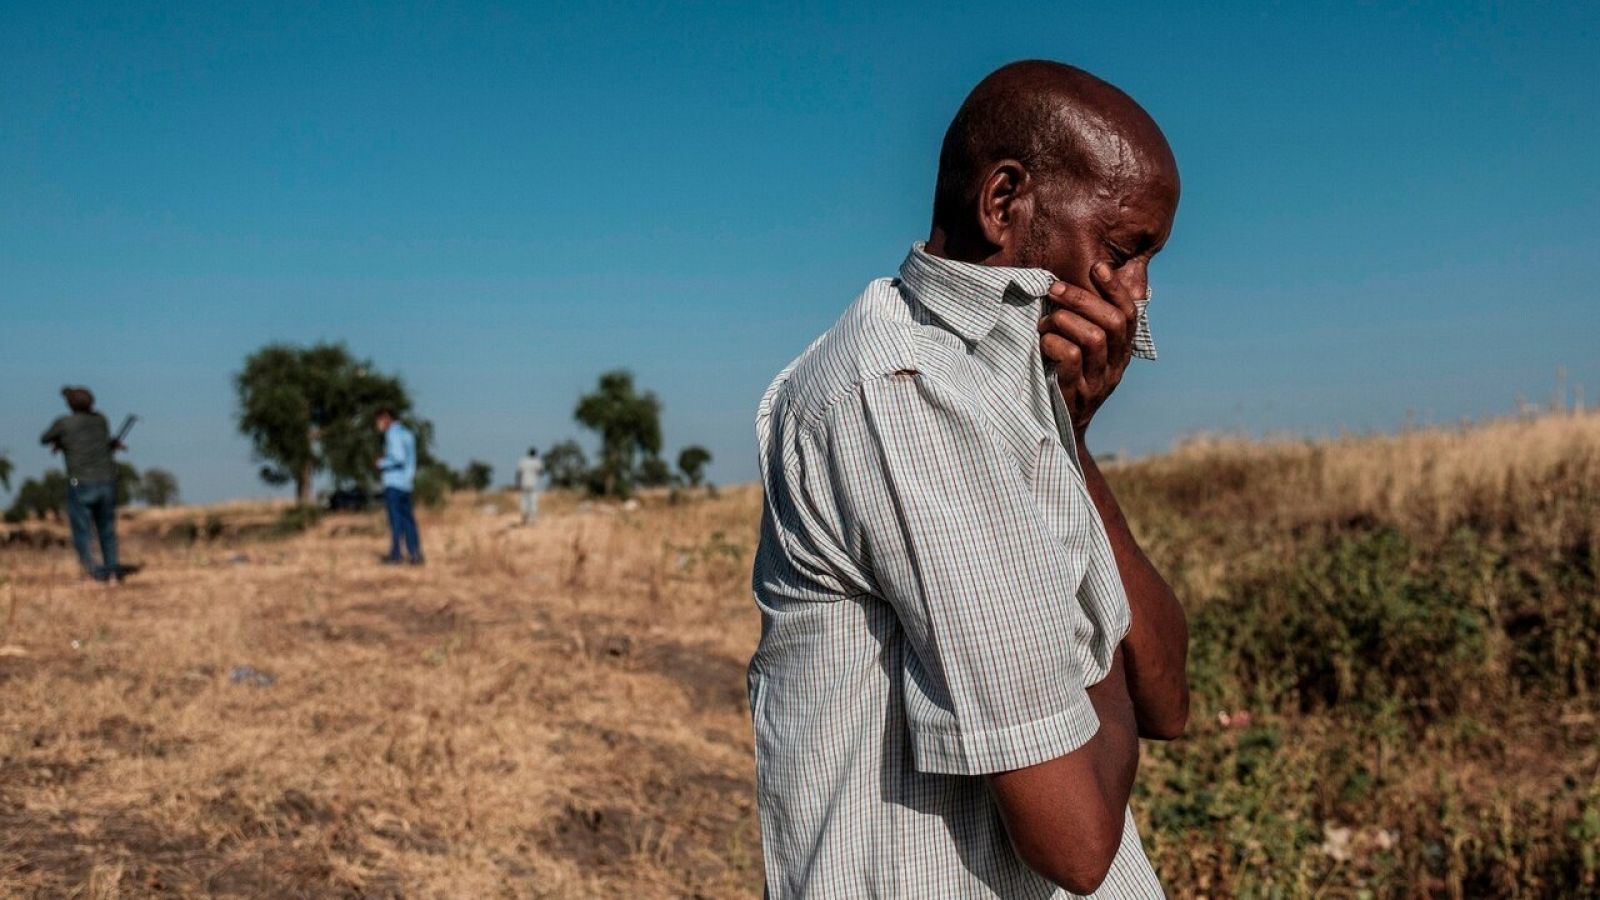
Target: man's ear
{"x": 1005, "y": 204}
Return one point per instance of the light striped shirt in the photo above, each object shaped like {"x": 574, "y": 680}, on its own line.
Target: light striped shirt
{"x": 936, "y": 589}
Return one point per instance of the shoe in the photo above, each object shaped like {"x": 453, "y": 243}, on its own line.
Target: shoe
{"x": 416, "y": 562}
{"x": 389, "y": 560}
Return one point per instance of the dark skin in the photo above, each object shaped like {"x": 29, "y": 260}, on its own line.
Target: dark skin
{"x": 1096, "y": 230}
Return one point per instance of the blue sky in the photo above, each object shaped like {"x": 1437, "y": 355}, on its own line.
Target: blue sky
{"x": 1388, "y": 210}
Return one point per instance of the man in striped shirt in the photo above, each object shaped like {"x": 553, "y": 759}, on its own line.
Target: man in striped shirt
{"x": 961, "y": 641}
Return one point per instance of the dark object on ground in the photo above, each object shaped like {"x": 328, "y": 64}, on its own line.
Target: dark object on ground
{"x": 251, "y": 675}
{"x": 37, "y": 538}
{"x": 121, "y": 574}
{"x": 351, "y": 500}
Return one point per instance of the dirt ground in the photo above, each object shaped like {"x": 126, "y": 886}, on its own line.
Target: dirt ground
{"x": 551, "y": 711}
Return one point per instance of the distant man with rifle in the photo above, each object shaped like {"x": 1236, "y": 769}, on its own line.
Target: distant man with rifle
{"x": 962, "y": 643}
{"x": 84, "y": 437}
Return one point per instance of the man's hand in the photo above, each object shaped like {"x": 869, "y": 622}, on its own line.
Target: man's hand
{"x": 1088, "y": 335}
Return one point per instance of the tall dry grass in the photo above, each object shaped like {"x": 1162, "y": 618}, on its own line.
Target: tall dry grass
{"x": 1515, "y": 473}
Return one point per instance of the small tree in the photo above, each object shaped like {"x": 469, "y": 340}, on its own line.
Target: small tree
{"x": 654, "y": 472}
{"x": 5, "y": 471}
{"x": 566, "y": 465}
{"x": 158, "y": 487}
{"x": 434, "y": 482}
{"x": 692, "y": 462}
{"x": 309, "y": 409}
{"x": 478, "y": 475}
{"x": 45, "y": 497}
{"x": 128, "y": 483}
{"x": 629, "y": 425}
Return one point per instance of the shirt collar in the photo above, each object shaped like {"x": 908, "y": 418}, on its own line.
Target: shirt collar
{"x": 968, "y": 297}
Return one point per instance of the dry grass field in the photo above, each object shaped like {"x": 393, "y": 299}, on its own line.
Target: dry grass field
{"x": 556, "y": 711}
{"x": 1396, "y": 662}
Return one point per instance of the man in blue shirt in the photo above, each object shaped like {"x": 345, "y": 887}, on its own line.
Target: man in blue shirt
{"x": 398, "y": 467}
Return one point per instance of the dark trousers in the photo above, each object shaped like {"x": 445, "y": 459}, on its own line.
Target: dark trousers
{"x": 402, "y": 524}
{"x": 92, "y": 512}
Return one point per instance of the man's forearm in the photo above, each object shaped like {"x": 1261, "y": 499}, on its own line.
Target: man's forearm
{"x": 1157, "y": 645}
{"x": 1065, "y": 815}
{"x": 1116, "y": 744}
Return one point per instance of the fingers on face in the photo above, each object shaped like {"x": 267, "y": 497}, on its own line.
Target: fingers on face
{"x": 1087, "y": 338}
{"x": 1110, "y": 317}
{"x": 1070, "y": 375}
{"x": 1122, "y": 296}
{"x": 1066, "y": 356}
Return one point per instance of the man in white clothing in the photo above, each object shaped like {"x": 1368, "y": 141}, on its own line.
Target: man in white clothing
{"x": 529, "y": 471}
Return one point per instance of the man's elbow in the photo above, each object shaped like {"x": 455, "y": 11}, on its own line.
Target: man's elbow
{"x": 1167, "y": 725}
{"x": 1077, "y": 867}
{"x": 1080, "y": 881}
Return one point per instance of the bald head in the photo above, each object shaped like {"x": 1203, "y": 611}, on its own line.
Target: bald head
{"x": 1047, "y": 166}
{"x": 1061, "y": 123}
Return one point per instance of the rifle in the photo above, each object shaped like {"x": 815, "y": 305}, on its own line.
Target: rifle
{"x": 122, "y": 432}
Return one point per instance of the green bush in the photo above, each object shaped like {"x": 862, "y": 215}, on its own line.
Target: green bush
{"x": 296, "y": 519}
{"x": 1363, "y": 620}
{"x": 1396, "y": 672}
{"x": 433, "y": 485}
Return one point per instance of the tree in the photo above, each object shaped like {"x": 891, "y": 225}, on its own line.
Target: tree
{"x": 434, "y": 482}
{"x": 478, "y": 475}
{"x": 5, "y": 471}
{"x": 566, "y": 465}
{"x": 692, "y": 462}
{"x": 44, "y": 497}
{"x": 309, "y": 409}
{"x": 629, "y": 424}
{"x": 158, "y": 487}
{"x": 654, "y": 472}
{"x": 128, "y": 482}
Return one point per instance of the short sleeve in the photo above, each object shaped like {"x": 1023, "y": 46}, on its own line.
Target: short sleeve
{"x": 994, "y": 673}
